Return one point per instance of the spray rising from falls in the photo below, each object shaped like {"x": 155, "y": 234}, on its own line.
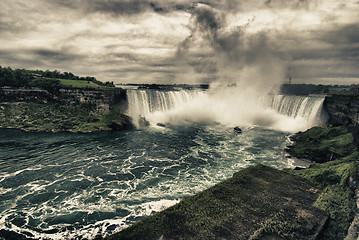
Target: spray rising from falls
{"x": 186, "y": 107}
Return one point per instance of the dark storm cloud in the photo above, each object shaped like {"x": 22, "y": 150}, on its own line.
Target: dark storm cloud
{"x": 126, "y": 7}
{"x": 161, "y": 65}
{"x": 288, "y": 3}
{"x": 125, "y": 56}
{"x": 327, "y": 69}
{"x": 331, "y": 52}
{"x": 345, "y": 35}
{"x": 203, "y": 21}
{"x": 207, "y": 21}
{"x": 119, "y": 7}
{"x": 40, "y": 58}
{"x": 334, "y": 54}
{"x": 134, "y": 7}
{"x": 55, "y": 55}
{"x": 17, "y": 58}
{"x": 349, "y": 53}
{"x": 113, "y": 7}
{"x": 223, "y": 5}
{"x": 234, "y": 45}
{"x": 8, "y": 26}
{"x": 233, "y": 49}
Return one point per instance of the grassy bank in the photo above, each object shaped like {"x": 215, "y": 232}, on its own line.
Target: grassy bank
{"x": 53, "y": 117}
{"x": 80, "y": 84}
{"x": 337, "y": 158}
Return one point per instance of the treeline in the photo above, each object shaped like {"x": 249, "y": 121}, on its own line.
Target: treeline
{"x": 304, "y": 89}
{"x": 38, "y": 78}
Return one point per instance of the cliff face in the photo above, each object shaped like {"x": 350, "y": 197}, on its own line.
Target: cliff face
{"x": 343, "y": 110}
{"x": 74, "y": 110}
{"x": 102, "y": 99}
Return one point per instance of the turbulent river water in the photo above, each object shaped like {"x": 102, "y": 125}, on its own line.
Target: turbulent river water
{"x": 77, "y": 186}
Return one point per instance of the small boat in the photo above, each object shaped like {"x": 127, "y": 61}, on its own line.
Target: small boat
{"x": 237, "y": 130}
{"x": 161, "y": 124}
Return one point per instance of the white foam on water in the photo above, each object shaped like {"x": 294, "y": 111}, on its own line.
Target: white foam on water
{"x": 149, "y": 208}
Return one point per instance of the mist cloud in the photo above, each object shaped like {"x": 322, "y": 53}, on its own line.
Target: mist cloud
{"x": 237, "y": 57}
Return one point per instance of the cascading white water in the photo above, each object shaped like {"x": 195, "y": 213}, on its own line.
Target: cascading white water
{"x": 286, "y": 113}
{"x": 143, "y": 103}
{"x": 306, "y": 107}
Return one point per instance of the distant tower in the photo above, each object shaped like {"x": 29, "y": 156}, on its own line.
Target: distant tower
{"x": 290, "y": 80}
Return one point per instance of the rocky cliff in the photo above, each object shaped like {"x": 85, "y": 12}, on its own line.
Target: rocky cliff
{"x": 74, "y": 110}
{"x": 102, "y": 99}
{"x": 343, "y": 110}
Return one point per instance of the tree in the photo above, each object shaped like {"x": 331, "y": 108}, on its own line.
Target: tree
{"x": 21, "y": 78}
{"x": 6, "y": 77}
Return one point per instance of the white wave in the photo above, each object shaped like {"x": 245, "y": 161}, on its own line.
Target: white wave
{"x": 156, "y": 206}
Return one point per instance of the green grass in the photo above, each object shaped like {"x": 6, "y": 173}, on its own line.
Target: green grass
{"x": 322, "y": 144}
{"x": 80, "y": 84}
{"x": 336, "y": 198}
{"x": 331, "y": 176}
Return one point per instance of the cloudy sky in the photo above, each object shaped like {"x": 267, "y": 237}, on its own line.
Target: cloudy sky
{"x": 184, "y": 41}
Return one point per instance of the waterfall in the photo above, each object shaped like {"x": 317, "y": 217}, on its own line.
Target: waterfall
{"x": 285, "y": 113}
{"x": 306, "y": 107}
{"x": 143, "y": 103}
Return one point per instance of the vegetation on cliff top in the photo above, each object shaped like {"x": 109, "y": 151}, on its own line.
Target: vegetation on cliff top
{"x": 53, "y": 116}
{"x": 322, "y": 144}
{"x": 49, "y": 80}
{"x": 337, "y": 159}
{"x": 347, "y": 97}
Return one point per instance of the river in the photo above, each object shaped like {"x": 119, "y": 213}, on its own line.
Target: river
{"x": 77, "y": 186}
